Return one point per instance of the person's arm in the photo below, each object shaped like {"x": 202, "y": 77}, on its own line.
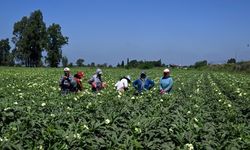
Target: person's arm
{"x": 160, "y": 85}
{"x": 151, "y": 84}
{"x": 80, "y": 85}
{"x": 125, "y": 85}
{"x": 117, "y": 83}
{"x": 135, "y": 83}
{"x": 60, "y": 81}
{"x": 170, "y": 85}
{"x": 90, "y": 81}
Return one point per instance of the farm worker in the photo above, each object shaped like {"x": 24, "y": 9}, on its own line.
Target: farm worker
{"x": 166, "y": 82}
{"x": 143, "y": 83}
{"x": 66, "y": 81}
{"x": 77, "y": 86}
{"x": 122, "y": 85}
{"x": 96, "y": 81}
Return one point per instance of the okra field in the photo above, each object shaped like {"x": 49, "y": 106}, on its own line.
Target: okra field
{"x": 206, "y": 110}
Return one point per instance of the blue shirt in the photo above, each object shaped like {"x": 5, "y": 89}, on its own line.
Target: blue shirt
{"x": 166, "y": 84}
{"x": 141, "y": 85}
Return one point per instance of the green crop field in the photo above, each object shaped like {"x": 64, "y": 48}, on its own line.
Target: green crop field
{"x": 206, "y": 110}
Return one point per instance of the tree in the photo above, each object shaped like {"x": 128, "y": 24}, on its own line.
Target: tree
{"x": 231, "y": 61}
{"x": 122, "y": 64}
{"x": 118, "y": 65}
{"x": 64, "y": 61}
{"x": 55, "y": 41}
{"x": 4, "y": 52}
{"x": 127, "y": 61}
{"x": 199, "y": 64}
{"x": 30, "y": 39}
{"x": 79, "y": 62}
{"x": 92, "y": 64}
{"x": 71, "y": 64}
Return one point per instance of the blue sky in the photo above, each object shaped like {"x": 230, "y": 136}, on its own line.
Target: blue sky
{"x": 176, "y": 31}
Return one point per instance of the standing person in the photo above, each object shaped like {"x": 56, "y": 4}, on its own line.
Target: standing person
{"x": 166, "y": 82}
{"x": 96, "y": 81}
{"x": 143, "y": 83}
{"x": 78, "y": 81}
{"x": 122, "y": 85}
{"x": 66, "y": 81}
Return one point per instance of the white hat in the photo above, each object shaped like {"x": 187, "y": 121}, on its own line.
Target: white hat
{"x": 98, "y": 71}
{"x": 128, "y": 77}
{"x": 66, "y": 69}
{"x": 166, "y": 70}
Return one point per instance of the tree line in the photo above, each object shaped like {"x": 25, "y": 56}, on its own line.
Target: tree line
{"x": 31, "y": 37}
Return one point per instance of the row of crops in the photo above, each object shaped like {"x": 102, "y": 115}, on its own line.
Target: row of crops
{"x": 207, "y": 110}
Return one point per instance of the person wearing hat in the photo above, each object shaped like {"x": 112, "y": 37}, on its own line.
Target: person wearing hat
{"x": 143, "y": 83}
{"x": 78, "y": 81}
{"x": 96, "y": 81}
{"x": 65, "y": 82}
{"x": 122, "y": 85}
{"x": 166, "y": 82}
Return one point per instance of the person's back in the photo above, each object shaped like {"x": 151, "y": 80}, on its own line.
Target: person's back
{"x": 96, "y": 81}
{"x": 122, "y": 85}
{"x": 77, "y": 84}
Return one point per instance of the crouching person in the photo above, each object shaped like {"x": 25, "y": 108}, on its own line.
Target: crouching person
{"x": 96, "y": 81}
{"x": 77, "y": 84}
{"x": 66, "y": 81}
{"x": 166, "y": 82}
{"x": 143, "y": 83}
{"x": 122, "y": 85}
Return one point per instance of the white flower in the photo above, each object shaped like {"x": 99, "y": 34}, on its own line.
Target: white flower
{"x": 107, "y": 121}
{"x": 119, "y": 96}
{"x": 75, "y": 98}
{"x": 6, "y": 108}
{"x": 229, "y": 105}
{"x": 5, "y": 139}
{"x": 1, "y": 140}
{"x": 43, "y": 104}
{"x": 89, "y": 104}
{"x": 161, "y": 100}
{"x": 138, "y": 130}
{"x": 86, "y": 127}
{"x": 189, "y": 146}
{"x": 196, "y": 106}
{"x": 15, "y": 103}
{"x": 132, "y": 97}
{"x": 52, "y": 115}
{"x": 189, "y": 112}
{"x": 196, "y": 120}
{"x": 196, "y": 126}
{"x": 220, "y": 100}
{"x": 77, "y": 136}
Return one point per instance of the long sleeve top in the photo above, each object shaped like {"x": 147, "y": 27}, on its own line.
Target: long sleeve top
{"x": 141, "y": 84}
{"x": 166, "y": 84}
